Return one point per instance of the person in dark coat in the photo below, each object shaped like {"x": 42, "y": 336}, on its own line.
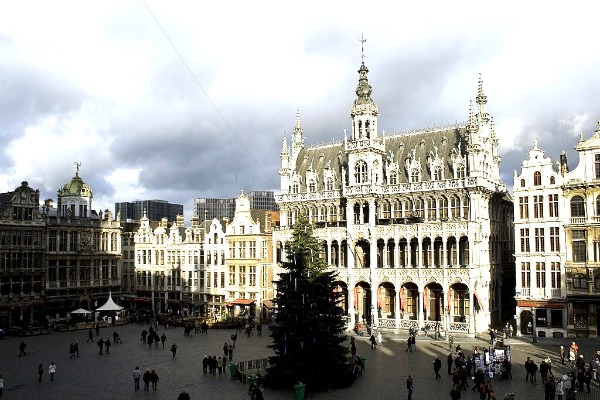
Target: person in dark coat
{"x": 183, "y": 395}
{"x": 163, "y": 339}
{"x": 437, "y": 365}
{"x": 22, "y": 347}
{"x": 174, "y": 349}
{"x": 97, "y": 329}
{"x": 90, "y": 336}
{"x": 40, "y": 372}
{"x": 373, "y": 341}
{"x": 101, "y": 346}
{"x": 107, "y": 345}
{"x": 450, "y": 360}
{"x": 146, "y": 379}
{"x": 154, "y": 379}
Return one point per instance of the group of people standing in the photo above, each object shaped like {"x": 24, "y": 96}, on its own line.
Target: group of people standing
{"x": 148, "y": 377}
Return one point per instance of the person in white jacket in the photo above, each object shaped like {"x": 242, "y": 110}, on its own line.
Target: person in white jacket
{"x": 52, "y": 370}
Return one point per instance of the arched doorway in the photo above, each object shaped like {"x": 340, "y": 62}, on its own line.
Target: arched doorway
{"x": 459, "y": 302}
{"x": 362, "y": 302}
{"x": 386, "y": 300}
{"x": 409, "y": 296}
{"x": 341, "y": 288}
{"x": 433, "y": 301}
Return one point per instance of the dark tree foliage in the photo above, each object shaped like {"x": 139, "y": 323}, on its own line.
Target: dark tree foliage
{"x": 309, "y": 334}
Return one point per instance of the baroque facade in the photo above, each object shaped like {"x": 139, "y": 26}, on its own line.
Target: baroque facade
{"x": 167, "y": 265}
{"x": 82, "y": 251}
{"x": 417, "y": 225}
{"x": 540, "y": 250}
{"x": 22, "y": 274}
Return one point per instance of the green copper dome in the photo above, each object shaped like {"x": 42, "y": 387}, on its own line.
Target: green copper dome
{"x": 77, "y": 187}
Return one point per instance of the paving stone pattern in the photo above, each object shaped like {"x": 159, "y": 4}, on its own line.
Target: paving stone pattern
{"x": 93, "y": 376}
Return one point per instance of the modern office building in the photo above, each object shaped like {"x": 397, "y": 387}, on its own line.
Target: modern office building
{"x": 155, "y": 210}
{"x": 208, "y": 209}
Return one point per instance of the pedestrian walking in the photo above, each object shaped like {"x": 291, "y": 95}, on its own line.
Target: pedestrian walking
{"x": 410, "y": 386}
{"x": 163, "y": 339}
{"x": 22, "y": 347}
{"x": 97, "y": 329}
{"x": 146, "y": 379}
{"x": 174, "y": 349}
{"x": 373, "y": 341}
{"x": 450, "y": 359}
{"x": 137, "y": 374}
{"x": 562, "y": 355}
{"x": 230, "y": 351}
{"x": 225, "y": 350}
{"x": 90, "y": 336}
{"x": 40, "y": 372}
{"x": 437, "y": 365}
{"x": 154, "y": 379}
{"x": 205, "y": 364}
{"x": 52, "y": 370}
{"x": 119, "y": 336}
{"x": 413, "y": 344}
{"x": 115, "y": 337}
{"x": 71, "y": 350}
{"x": 183, "y": 395}
{"x": 76, "y": 349}
{"x": 107, "y": 345}
{"x": 234, "y": 338}
{"x": 408, "y": 344}
{"x": 101, "y": 346}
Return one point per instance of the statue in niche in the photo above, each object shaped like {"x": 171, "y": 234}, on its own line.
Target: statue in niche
{"x": 359, "y": 256}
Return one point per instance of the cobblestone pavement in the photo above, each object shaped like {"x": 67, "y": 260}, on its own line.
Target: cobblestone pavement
{"x": 93, "y": 376}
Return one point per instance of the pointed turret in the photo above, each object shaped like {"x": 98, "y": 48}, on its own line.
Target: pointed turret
{"x": 364, "y": 111}
{"x": 298, "y": 131}
{"x": 472, "y": 122}
{"x": 284, "y": 171}
{"x": 481, "y": 102}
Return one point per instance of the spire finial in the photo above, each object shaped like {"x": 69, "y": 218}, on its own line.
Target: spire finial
{"x": 77, "y": 165}
{"x": 362, "y": 41}
{"x": 535, "y": 144}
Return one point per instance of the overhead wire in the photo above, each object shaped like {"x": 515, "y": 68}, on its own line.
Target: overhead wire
{"x": 229, "y": 127}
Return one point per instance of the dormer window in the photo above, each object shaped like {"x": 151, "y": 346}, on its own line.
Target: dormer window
{"x": 437, "y": 173}
{"x": 295, "y": 188}
{"x": 552, "y": 180}
{"x": 393, "y": 178}
{"x": 312, "y": 187}
{"x": 460, "y": 171}
{"x": 415, "y": 175}
{"x": 329, "y": 184}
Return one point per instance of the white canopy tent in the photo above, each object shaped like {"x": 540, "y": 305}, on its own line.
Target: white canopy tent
{"x": 81, "y": 311}
{"x": 110, "y": 305}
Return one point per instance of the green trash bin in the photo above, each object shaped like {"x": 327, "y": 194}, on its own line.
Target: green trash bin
{"x": 299, "y": 389}
{"x": 252, "y": 380}
{"x": 363, "y": 361}
{"x": 233, "y": 370}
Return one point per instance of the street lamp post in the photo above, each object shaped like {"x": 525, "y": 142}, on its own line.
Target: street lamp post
{"x": 533, "y": 325}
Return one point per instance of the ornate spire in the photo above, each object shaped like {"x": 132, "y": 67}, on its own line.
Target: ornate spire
{"x": 298, "y": 129}
{"x": 472, "y": 122}
{"x": 284, "y": 146}
{"x": 481, "y": 101}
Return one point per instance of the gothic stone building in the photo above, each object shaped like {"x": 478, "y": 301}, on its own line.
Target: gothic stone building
{"x": 417, "y": 225}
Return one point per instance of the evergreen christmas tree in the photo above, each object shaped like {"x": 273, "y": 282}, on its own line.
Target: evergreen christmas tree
{"x": 308, "y": 337}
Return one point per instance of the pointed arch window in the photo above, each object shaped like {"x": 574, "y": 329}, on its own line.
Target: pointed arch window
{"x": 522, "y": 182}
{"x": 437, "y": 173}
{"x": 454, "y": 207}
{"x": 537, "y": 178}
{"x": 312, "y": 186}
{"x": 360, "y": 172}
{"x": 393, "y": 178}
{"x": 431, "y": 209}
{"x": 419, "y": 208}
{"x": 386, "y": 209}
{"x": 295, "y": 188}
{"x": 460, "y": 171}
{"x": 443, "y": 208}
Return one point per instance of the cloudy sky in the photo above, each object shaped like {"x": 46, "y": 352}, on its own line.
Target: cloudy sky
{"x": 175, "y": 100}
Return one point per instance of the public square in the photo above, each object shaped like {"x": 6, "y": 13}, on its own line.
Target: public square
{"x": 93, "y": 376}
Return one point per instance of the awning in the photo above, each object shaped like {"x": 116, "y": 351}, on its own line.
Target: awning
{"x": 243, "y": 302}
{"x": 583, "y": 299}
{"x": 142, "y": 300}
{"x": 173, "y": 301}
{"x": 268, "y": 304}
